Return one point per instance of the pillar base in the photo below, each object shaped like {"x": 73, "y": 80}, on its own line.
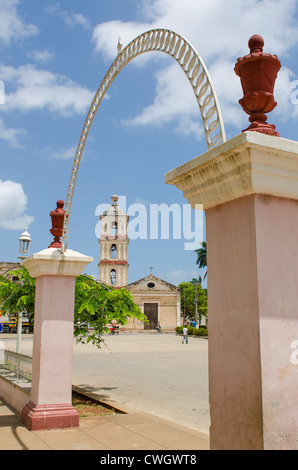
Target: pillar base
{"x": 46, "y": 417}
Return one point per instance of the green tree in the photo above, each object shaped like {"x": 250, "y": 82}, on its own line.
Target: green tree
{"x": 196, "y": 280}
{"x": 202, "y": 257}
{"x": 188, "y": 300}
{"x": 17, "y": 293}
{"x": 96, "y": 304}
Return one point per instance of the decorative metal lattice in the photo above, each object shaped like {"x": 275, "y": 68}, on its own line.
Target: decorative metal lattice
{"x": 182, "y": 51}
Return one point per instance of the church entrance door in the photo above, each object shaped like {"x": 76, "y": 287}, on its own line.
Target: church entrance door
{"x": 151, "y": 312}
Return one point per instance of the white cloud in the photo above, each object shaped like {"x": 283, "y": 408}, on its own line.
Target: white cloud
{"x": 13, "y": 204}
{"x": 215, "y": 28}
{"x": 219, "y": 31}
{"x": 68, "y": 153}
{"x": 228, "y": 89}
{"x": 105, "y": 36}
{"x": 12, "y": 26}
{"x": 70, "y": 18}
{"x": 74, "y": 19}
{"x": 286, "y": 107}
{"x": 19, "y": 223}
{"x": 29, "y": 88}
{"x": 41, "y": 57}
{"x": 173, "y": 102}
{"x": 10, "y": 135}
{"x": 65, "y": 154}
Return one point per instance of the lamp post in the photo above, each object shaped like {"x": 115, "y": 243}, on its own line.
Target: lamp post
{"x": 195, "y": 283}
{"x": 25, "y": 240}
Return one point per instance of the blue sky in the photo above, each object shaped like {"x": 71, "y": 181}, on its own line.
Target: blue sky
{"x": 53, "y": 57}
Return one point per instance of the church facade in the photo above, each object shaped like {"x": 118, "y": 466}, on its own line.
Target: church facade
{"x": 6, "y": 266}
{"x": 158, "y": 299}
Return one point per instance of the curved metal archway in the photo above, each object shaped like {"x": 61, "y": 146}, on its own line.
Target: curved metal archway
{"x": 183, "y": 52}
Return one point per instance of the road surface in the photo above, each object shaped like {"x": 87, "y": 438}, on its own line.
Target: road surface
{"x": 153, "y": 372}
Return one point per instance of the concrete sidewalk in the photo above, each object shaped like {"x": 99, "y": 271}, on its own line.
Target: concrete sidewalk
{"x": 136, "y": 374}
{"x": 130, "y": 431}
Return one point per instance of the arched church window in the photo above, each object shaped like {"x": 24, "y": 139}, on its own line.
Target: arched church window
{"x": 113, "y": 251}
{"x": 114, "y": 229}
{"x": 113, "y": 277}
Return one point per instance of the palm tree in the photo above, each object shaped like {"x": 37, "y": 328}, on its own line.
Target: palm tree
{"x": 202, "y": 256}
{"x": 196, "y": 280}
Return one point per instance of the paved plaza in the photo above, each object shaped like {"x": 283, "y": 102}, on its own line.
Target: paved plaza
{"x": 155, "y": 373}
{"x": 150, "y": 372}
{"x": 160, "y": 384}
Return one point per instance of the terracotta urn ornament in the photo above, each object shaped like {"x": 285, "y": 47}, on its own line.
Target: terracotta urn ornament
{"x": 57, "y": 216}
{"x": 258, "y": 72}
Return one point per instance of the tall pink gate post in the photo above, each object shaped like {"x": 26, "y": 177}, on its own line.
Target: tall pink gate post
{"x": 50, "y": 406}
{"x": 249, "y": 189}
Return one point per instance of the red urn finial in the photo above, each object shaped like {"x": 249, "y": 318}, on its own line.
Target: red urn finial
{"x": 256, "y": 43}
{"x": 57, "y": 217}
{"x": 258, "y": 72}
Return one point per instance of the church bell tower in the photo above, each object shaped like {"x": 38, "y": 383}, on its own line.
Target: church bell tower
{"x": 113, "y": 266}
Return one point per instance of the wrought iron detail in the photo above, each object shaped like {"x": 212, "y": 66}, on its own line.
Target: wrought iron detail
{"x": 183, "y": 52}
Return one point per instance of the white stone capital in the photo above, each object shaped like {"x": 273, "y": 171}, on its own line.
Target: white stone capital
{"x": 52, "y": 262}
{"x": 250, "y": 163}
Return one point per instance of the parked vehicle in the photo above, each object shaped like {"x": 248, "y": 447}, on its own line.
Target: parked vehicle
{"x": 114, "y": 330}
{"x": 11, "y": 326}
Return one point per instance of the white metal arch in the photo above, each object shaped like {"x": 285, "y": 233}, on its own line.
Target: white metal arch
{"x": 183, "y": 52}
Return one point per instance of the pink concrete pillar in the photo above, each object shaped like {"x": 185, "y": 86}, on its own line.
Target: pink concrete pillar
{"x": 248, "y": 187}
{"x": 50, "y": 406}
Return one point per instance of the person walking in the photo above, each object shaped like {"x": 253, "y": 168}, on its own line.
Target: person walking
{"x": 185, "y": 335}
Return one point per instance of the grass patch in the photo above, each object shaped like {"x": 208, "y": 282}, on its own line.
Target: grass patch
{"x": 86, "y": 407}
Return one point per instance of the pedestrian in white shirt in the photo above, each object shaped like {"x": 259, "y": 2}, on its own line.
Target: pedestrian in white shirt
{"x": 185, "y": 335}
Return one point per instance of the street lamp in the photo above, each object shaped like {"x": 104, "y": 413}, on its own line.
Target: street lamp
{"x": 25, "y": 240}
{"x": 195, "y": 283}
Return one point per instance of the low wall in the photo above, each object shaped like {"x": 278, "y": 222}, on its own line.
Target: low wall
{"x": 13, "y": 394}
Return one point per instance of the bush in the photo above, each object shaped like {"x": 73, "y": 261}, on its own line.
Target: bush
{"x": 203, "y": 331}
{"x": 192, "y": 331}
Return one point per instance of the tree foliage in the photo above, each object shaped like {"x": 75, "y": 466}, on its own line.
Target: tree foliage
{"x": 188, "y": 300}
{"x": 17, "y": 293}
{"x": 202, "y": 256}
{"x": 96, "y": 305}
